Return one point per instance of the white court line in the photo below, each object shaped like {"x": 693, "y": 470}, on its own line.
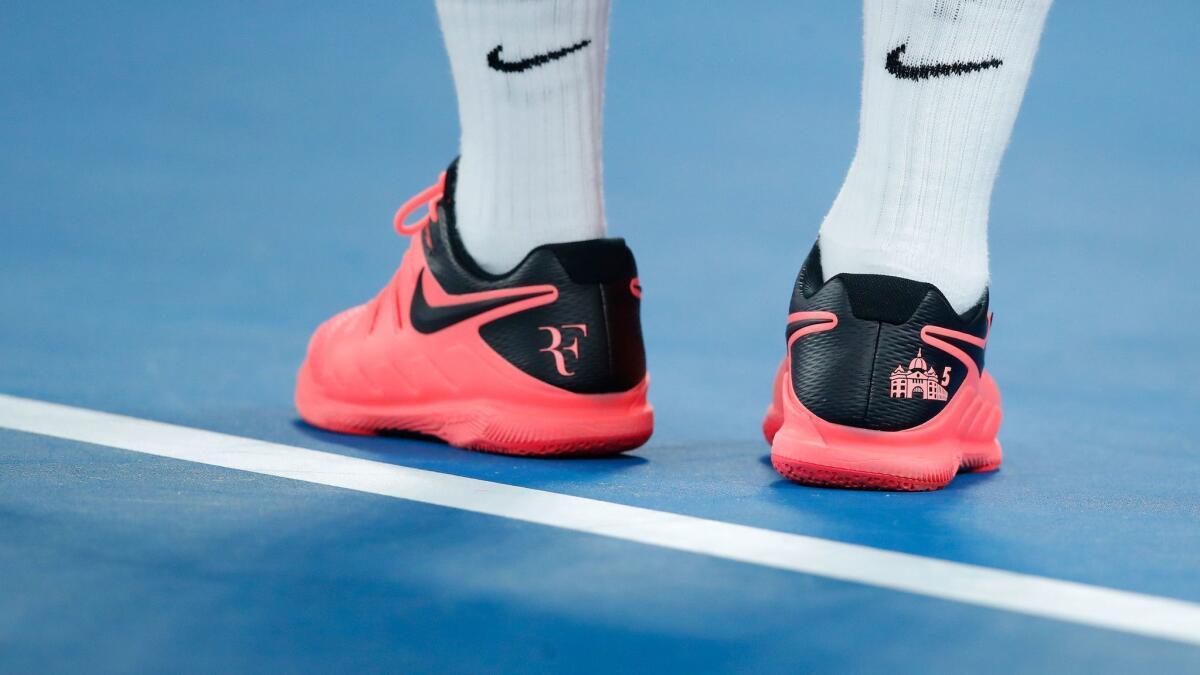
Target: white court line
{"x": 972, "y": 584}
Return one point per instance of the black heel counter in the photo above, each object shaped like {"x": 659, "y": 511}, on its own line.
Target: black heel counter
{"x": 589, "y": 340}
{"x": 874, "y": 370}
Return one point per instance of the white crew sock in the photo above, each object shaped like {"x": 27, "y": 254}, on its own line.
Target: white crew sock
{"x": 915, "y": 201}
{"x": 530, "y": 171}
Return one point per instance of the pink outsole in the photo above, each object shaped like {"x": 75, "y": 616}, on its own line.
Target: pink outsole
{"x": 809, "y": 473}
{"x": 499, "y": 436}
{"x": 840, "y": 477}
{"x": 496, "y": 427}
{"x": 828, "y": 476}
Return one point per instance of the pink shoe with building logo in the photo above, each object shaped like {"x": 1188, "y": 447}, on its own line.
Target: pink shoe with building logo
{"x": 882, "y": 387}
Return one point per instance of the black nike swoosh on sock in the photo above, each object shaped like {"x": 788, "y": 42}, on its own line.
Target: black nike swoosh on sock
{"x": 495, "y": 63}
{"x": 428, "y": 318}
{"x": 897, "y": 68}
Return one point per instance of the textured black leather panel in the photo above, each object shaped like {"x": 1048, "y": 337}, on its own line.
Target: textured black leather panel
{"x": 844, "y": 375}
{"x": 610, "y": 356}
{"x": 593, "y": 280}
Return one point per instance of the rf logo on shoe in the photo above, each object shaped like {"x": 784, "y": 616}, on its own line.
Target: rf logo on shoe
{"x": 558, "y": 350}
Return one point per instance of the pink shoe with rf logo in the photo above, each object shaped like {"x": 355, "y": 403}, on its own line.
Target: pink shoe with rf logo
{"x": 546, "y": 359}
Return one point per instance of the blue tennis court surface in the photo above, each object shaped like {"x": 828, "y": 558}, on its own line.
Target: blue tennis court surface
{"x": 189, "y": 189}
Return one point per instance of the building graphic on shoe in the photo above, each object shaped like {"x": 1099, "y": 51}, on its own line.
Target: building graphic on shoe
{"x": 919, "y": 380}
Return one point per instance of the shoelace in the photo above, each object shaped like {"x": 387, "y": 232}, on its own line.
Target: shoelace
{"x": 429, "y": 197}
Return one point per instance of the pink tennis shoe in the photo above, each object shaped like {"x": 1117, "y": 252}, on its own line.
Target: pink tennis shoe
{"x": 883, "y": 385}
{"x": 544, "y": 360}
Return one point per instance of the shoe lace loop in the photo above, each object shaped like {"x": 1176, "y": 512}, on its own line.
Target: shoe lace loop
{"x": 429, "y": 197}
